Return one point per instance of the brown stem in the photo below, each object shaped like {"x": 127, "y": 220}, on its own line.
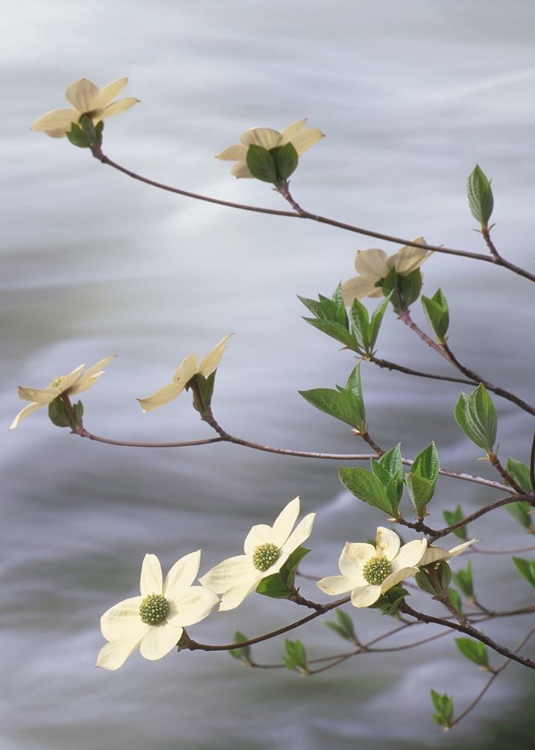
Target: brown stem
{"x": 405, "y": 317}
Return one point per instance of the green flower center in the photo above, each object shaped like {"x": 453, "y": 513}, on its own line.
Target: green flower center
{"x": 56, "y": 382}
{"x": 265, "y": 555}
{"x": 154, "y": 608}
{"x": 376, "y": 570}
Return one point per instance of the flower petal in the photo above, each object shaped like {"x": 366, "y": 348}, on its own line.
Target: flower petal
{"x": 114, "y": 654}
{"x": 335, "y": 585}
{"x": 241, "y": 170}
{"x": 83, "y": 95}
{"x": 151, "y": 576}
{"x": 305, "y": 139}
{"x": 301, "y": 533}
{"x": 233, "y": 570}
{"x": 40, "y": 396}
{"x": 115, "y": 108}
{"x": 260, "y": 533}
{"x": 387, "y": 543}
{"x": 238, "y": 152}
{"x": 353, "y": 558}
{"x": 285, "y": 521}
{"x": 25, "y": 413}
{"x": 122, "y": 618}
{"x": 372, "y": 263}
{"x": 159, "y": 641}
{"x": 191, "y": 607}
{"x": 364, "y": 596}
{"x": 410, "y": 555}
{"x": 291, "y": 131}
{"x": 97, "y": 369}
{"x": 109, "y": 92}
{"x": 409, "y": 258}
{"x": 235, "y": 595}
{"x": 211, "y": 361}
{"x": 359, "y": 287}
{"x": 265, "y": 137}
{"x": 161, "y": 396}
{"x": 57, "y": 122}
{"x": 182, "y": 575}
{"x": 396, "y": 577}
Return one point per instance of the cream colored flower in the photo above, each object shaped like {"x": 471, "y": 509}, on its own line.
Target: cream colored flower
{"x": 155, "y": 620}
{"x": 374, "y": 265}
{"x": 266, "y": 548}
{"x": 368, "y": 571}
{"x": 75, "y": 382}
{"x": 187, "y": 370}
{"x": 300, "y": 137}
{"x": 86, "y": 99}
{"x": 437, "y": 554}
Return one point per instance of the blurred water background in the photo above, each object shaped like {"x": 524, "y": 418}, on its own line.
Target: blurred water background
{"x": 411, "y": 95}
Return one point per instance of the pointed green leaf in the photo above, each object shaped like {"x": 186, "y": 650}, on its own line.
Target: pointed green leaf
{"x": 474, "y": 651}
{"x": 422, "y": 478}
{"x": 368, "y": 488}
{"x": 241, "y": 654}
{"x": 463, "y": 579}
{"x": 261, "y": 164}
{"x": 286, "y": 160}
{"x": 476, "y": 416}
{"x": 375, "y": 322}
{"x": 77, "y": 136}
{"x": 480, "y": 198}
{"x": 453, "y": 517}
{"x": 343, "y": 626}
{"x": 520, "y": 473}
{"x": 202, "y": 398}
{"x": 437, "y": 311}
{"x": 296, "y": 657}
{"x": 443, "y": 705}
{"x": 526, "y": 568}
{"x": 336, "y": 331}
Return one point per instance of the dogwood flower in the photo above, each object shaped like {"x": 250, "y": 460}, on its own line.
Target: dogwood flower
{"x": 155, "y": 620}
{"x": 374, "y": 265}
{"x": 266, "y": 550}
{"x": 86, "y": 99}
{"x": 437, "y": 554}
{"x": 75, "y": 382}
{"x": 300, "y": 137}
{"x": 369, "y": 572}
{"x": 187, "y": 370}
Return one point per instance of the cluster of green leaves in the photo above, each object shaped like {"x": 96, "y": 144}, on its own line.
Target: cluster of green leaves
{"x": 443, "y": 705}
{"x": 296, "y": 657}
{"x": 274, "y": 165}
{"x": 281, "y": 585}
{"x": 343, "y": 627}
{"x": 242, "y": 654}
{"x": 356, "y": 330}
{"x": 60, "y": 416}
{"x": 521, "y": 511}
{"x": 85, "y": 134}
{"x": 382, "y": 487}
{"x": 437, "y": 311}
{"x": 476, "y": 416}
{"x": 203, "y": 391}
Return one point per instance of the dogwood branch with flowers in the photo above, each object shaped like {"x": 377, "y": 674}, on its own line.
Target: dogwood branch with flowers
{"x": 371, "y": 574}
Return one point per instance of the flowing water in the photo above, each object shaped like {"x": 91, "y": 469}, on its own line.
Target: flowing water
{"x": 411, "y": 95}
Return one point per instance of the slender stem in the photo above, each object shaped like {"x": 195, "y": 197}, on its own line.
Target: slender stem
{"x": 302, "y": 214}
{"x": 468, "y": 630}
{"x": 385, "y": 364}
{"x": 495, "y": 461}
{"x": 195, "y": 646}
{"x": 82, "y": 432}
{"x": 405, "y": 317}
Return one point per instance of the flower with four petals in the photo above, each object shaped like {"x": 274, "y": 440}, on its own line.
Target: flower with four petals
{"x": 187, "y": 370}
{"x": 155, "y": 620}
{"x": 300, "y": 137}
{"x": 266, "y": 548}
{"x": 86, "y": 99}
{"x": 368, "y": 572}
{"x": 374, "y": 265}
{"x": 75, "y": 382}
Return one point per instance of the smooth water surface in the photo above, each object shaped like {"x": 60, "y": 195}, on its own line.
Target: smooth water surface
{"x": 410, "y": 95}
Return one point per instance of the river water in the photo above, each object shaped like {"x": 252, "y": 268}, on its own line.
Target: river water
{"x": 410, "y": 95}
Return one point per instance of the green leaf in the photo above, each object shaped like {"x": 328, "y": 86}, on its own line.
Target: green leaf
{"x": 241, "y": 654}
{"x": 328, "y": 309}
{"x": 281, "y": 585}
{"x": 390, "y": 601}
{"x": 286, "y": 160}
{"x": 261, "y": 164}
{"x": 436, "y": 309}
{"x": 444, "y": 574}
{"x": 409, "y": 287}
{"x": 422, "y": 478}
{"x": 343, "y": 626}
{"x": 202, "y": 397}
{"x": 455, "y": 600}
{"x": 463, "y": 579}
{"x": 296, "y": 657}
{"x": 361, "y": 325}
{"x": 443, "y": 705}
{"x": 345, "y": 404}
{"x": 521, "y": 511}
{"x": 453, "y": 517}
{"x": 336, "y": 331}
{"x": 375, "y": 322}
{"x": 476, "y": 416}
{"x": 58, "y": 414}
{"x": 526, "y": 568}
{"x": 425, "y": 583}
{"x": 480, "y": 198}
{"x": 520, "y": 473}
{"x": 474, "y": 651}
{"x": 77, "y": 136}
{"x": 368, "y": 488}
